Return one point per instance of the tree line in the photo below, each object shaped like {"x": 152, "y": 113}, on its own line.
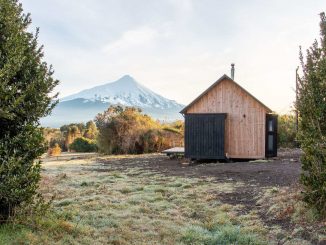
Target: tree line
{"x": 118, "y": 130}
{"x": 77, "y": 137}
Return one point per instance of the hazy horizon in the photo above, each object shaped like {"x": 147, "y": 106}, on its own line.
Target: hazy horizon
{"x": 177, "y": 48}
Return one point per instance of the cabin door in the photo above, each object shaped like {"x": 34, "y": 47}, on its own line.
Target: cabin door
{"x": 204, "y": 136}
{"x": 271, "y": 135}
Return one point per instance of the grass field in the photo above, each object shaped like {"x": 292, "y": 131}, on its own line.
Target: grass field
{"x": 108, "y": 201}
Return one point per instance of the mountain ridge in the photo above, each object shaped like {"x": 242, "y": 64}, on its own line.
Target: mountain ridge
{"x": 126, "y": 91}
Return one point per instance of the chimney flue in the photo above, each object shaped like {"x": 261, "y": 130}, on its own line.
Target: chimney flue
{"x": 232, "y": 71}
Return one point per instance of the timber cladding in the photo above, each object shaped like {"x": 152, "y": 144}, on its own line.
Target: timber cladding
{"x": 245, "y": 122}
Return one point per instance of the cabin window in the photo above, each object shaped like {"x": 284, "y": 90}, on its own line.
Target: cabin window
{"x": 270, "y": 142}
{"x": 270, "y": 126}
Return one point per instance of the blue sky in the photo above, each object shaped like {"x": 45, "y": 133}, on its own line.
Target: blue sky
{"x": 178, "y": 47}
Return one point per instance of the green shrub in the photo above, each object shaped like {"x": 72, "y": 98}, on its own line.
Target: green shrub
{"x": 126, "y": 130}
{"x": 25, "y": 84}
{"x": 83, "y": 145}
{"x": 287, "y": 132}
{"x": 311, "y": 106}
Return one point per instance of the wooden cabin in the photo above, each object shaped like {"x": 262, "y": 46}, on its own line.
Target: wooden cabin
{"x": 226, "y": 121}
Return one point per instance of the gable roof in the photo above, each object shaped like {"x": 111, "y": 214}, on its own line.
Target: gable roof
{"x": 224, "y": 77}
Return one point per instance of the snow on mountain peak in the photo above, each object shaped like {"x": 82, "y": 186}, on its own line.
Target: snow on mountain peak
{"x": 125, "y": 91}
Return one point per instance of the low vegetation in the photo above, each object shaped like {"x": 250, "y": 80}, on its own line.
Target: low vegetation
{"x": 287, "y": 131}
{"x": 126, "y": 130}
{"x": 83, "y": 145}
{"x": 118, "y": 130}
{"x": 55, "y": 151}
{"x": 53, "y": 136}
{"x": 287, "y": 204}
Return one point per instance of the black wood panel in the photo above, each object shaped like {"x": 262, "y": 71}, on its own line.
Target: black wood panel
{"x": 271, "y": 136}
{"x": 204, "y": 136}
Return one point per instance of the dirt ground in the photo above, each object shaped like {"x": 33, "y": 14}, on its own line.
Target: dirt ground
{"x": 281, "y": 171}
{"x": 257, "y": 176}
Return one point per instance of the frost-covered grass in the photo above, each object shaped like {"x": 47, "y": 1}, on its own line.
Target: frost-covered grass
{"x": 98, "y": 204}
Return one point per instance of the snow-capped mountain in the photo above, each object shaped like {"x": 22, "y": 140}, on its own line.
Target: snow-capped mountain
{"x": 126, "y": 91}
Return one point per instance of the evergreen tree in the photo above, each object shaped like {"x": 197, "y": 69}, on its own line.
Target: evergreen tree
{"x": 25, "y": 84}
{"x": 311, "y": 106}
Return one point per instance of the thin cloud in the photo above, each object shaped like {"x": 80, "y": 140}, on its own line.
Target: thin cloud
{"x": 132, "y": 39}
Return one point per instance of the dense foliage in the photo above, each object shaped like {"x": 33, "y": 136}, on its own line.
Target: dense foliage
{"x": 287, "y": 132}
{"x": 128, "y": 131}
{"x": 74, "y": 131}
{"x": 53, "y": 136}
{"x": 83, "y": 145}
{"x": 311, "y": 105}
{"x": 90, "y": 130}
{"x": 25, "y": 84}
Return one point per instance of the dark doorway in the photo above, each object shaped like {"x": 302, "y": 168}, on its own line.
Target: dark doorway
{"x": 271, "y": 135}
{"x": 204, "y": 136}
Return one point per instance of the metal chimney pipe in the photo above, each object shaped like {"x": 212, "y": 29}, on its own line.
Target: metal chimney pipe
{"x": 232, "y": 71}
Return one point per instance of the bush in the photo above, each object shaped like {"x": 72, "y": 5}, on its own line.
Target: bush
{"x": 129, "y": 131}
{"x": 151, "y": 141}
{"x": 91, "y": 130}
{"x": 287, "y": 132}
{"x": 37, "y": 222}
{"x": 55, "y": 151}
{"x": 83, "y": 145}
{"x": 26, "y": 82}
{"x": 311, "y": 106}
{"x": 53, "y": 136}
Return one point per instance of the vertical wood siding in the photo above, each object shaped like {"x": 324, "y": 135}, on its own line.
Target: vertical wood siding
{"x": 245, "y": 121}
